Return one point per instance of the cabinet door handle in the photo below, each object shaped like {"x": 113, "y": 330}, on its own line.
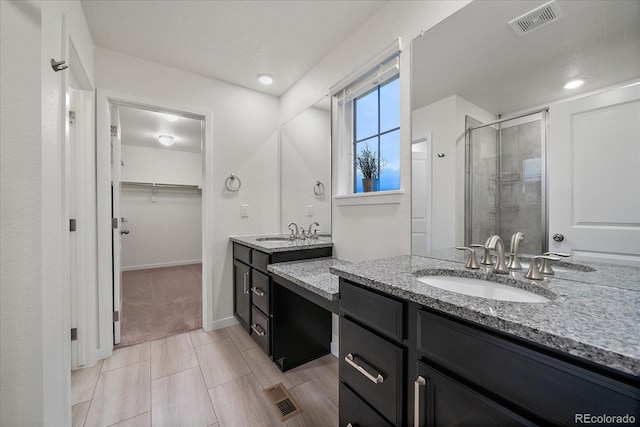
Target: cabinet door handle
{"x": 245, "y": 280}
{"x": 374, "y": 378}
{"x": 260, "y": 332}
{"x": 416, "y": 400}
{"x": 257, "y": 291}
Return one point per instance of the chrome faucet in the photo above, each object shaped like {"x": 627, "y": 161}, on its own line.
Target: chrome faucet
{"x": 514, "y": 261}
{"x": 293, "y": 235}
{"x": 495, "y": 242}
{"x": 315, "y": 232}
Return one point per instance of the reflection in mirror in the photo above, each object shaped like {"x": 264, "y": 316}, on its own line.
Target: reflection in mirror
{"x": 487, "y": 173}
{"x": 305, "y": 169}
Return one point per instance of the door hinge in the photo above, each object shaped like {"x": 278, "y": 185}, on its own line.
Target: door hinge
{"x": 114, "y": 223}
{"x": 116, "y": 316}
{"x": 72, "y": 117}
{"x": 72, "y": 225}
{"x": 114, "y": 130}
{"x": 74, "y": 334}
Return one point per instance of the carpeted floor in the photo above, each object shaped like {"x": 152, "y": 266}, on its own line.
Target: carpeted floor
{"x": 160, "y": 302}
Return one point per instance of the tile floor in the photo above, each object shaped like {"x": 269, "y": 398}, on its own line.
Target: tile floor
{"x": 200, "y": 379}
{"x": 159, "y": 302}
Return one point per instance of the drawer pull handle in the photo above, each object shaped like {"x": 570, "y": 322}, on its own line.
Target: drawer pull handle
{"x": 374, "y": 378}
{"x": 257, "y": 291}
{"x": 349, "y": 425}
{"x": 416, "y": 400}
{"x": 259, "y": 332}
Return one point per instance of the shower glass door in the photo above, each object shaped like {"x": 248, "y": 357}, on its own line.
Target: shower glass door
{"x": 505, "y": 173}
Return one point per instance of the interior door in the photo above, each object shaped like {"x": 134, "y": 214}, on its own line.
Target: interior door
{"x": 594, "y": 177}
{"x": 117, "y": 226}
{"x": 421, "y": 199}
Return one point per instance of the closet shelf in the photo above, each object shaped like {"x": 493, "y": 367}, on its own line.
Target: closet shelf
{"x": 156, "y": 185}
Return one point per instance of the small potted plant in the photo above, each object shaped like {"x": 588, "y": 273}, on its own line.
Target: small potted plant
{"x": 367, "y": 164}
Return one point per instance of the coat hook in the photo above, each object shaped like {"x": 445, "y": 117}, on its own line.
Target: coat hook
{"x": 58, "y": 65}
{"x": 441, "y": 155}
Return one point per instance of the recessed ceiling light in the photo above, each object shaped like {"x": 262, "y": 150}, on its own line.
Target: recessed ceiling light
{"x": 265, "y": 79}
{"x": 166, "y": 140}
{"x": 574, "y": 84}
{"x": 169, "y": 117}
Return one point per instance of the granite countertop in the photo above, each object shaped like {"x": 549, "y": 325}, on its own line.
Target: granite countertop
{"x": 593, "y": 321}
{"x": 282, "y": 245}
{"x": 311, "y": 274}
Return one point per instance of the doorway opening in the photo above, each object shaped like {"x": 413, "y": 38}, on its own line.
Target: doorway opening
{"x": 160, "y": 212}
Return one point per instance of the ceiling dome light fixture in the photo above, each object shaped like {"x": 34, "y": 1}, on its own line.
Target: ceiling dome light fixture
{"x": 574, "y": 84}
{"x": 265, "y": 79}
{"x": 166, "y": 140}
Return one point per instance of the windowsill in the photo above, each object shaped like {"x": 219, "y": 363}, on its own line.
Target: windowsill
{"x": 371, "y": 198}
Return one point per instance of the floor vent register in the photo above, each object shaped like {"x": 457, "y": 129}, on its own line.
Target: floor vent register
{"x": 282, "y": 402}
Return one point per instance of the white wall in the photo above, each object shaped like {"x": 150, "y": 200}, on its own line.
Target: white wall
{"x": 34, "y": 334}
{"x": 362, "y": 232}
{"x": 445, "y": 119}
{"x": 245, "y": 142}
{"x": 153, "y": 165}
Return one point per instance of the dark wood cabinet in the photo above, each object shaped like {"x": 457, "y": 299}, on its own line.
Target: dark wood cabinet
{"x": 241, "y": 293}
{"x": 460, "y": 373}
{"x": 441, "y": 401}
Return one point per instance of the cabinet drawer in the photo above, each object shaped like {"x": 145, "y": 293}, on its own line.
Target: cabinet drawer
{"x": 260, "y": 288}
{"x": 260, "y": 260}
{"x": 377, "y": 357}
{"x": 379, "y": 312}
{"x": 242, "y": 253}
{"x": 260, "y": 329}
{"x": 538, "y": 383}
{"x": 355, "y": 412}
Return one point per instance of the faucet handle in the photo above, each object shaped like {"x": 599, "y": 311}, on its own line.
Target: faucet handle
{"x": 534, "y": 272}
{"x": 473, "y": 262}
{"x": 486, "y": 257}
{"x": 557, "y": 254}
{"x": 545, "y": 268}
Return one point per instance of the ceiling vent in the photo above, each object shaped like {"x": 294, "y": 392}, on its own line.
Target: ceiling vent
{"x": 537, "y": 18}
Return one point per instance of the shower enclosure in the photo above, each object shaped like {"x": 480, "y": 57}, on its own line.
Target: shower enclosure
{"x": 505, "y": 180}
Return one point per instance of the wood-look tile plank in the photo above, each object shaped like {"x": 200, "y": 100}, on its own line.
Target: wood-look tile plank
{"x": 200, "y": 337}
{"x": 221, "y": 362}
{"x": 83, "y": 383}
{"x": 143, "y": 420}
{"x": 127, "y": 356}
{"x": 120, "y": 394}
{"x": 172, "y": 354}
{"x": 240, "y": 337}
{"x": 181, "y": 399}
{"x": 317, "y": 409}
{"x": 268, "y": 373}
{"x": 241, "y": 403}
{"x": 79, "y": 413}
{"x": 324, "y": 374}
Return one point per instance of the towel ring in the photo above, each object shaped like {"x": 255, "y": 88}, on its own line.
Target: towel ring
{"x": 318, "y": 189}
{"x": 230, "y": 183}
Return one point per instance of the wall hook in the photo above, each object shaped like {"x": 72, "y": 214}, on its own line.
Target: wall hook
{"x": 441, "y": 155}
{"x": 58, "y": 65}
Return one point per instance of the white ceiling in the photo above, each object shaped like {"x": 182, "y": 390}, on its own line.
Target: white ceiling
{"x": 232, "y": 41}
{"x": 142, "y": 128}
{"x": 475, "y": 54}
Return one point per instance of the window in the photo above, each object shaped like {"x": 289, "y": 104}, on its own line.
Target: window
{"x": 376, "y": 118}
{"x": 368, "y": 130}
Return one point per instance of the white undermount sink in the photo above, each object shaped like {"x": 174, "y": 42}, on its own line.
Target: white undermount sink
{"x": 482, "y": 288}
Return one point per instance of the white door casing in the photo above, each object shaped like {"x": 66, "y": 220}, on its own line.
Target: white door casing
{"x": 594, "y": 176}
{"x": 116, "y": 158}
{"x": 421, "y": 199}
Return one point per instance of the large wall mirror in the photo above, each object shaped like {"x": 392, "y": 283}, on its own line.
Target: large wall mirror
{"x": 305, "y": 169}
{"x": 500, "y": 145}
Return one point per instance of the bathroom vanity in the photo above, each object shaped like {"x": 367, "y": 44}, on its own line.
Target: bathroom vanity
{"x": 414, "y": 354}
{"x": 290, "y": 323}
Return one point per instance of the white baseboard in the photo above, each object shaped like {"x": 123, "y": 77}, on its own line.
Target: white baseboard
{"x": 223, "y": 323}
{"x": 160, "y": 265}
